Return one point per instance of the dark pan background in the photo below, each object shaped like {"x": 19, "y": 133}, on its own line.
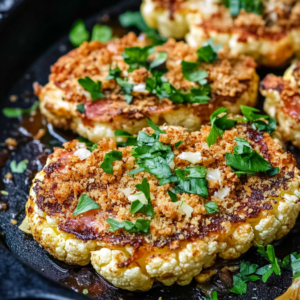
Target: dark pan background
{"x": 32, "y": 37}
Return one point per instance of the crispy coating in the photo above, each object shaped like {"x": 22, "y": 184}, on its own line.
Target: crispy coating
{"x": 253, "y": 209}
{"x": 233, "y": 82}
{"x": 283, "y": 102}
{"x": 271, "y": 39}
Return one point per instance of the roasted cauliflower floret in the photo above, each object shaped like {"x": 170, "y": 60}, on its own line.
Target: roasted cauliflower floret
{"x": 67, "y": 104}
{"x": 177, "y": 237}
{"x": 270, "y": 34}
{"x": 283, "y": 102}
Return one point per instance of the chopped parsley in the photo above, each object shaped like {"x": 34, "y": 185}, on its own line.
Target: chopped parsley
{"x": 18, "y": 168}
{"x": 250, "y": 114}
{"x": 154, "y": 157}
{"x": 138, "y": 206}
{"x": 141, "y": 225}
{"x": 90, "y": 145}
{"x": 161, "y": 58}
{"x": 114, "y": 73}
{"x": 126, "y": 88}
{"x": 211, "y": 207}
{"x": 173, "y": 196}
{"x": 18, "y": 112}
{"x": 81, "y": 109}
{"x": 295, "y": 264}
{"x": 189, "y": 72}
{"x": 78, "y": 33}
{"x": 85, "y": 291}
{"x": 94, "y": 88}
{"x": 109, "y": 158}
{"x": 246, "y": 274}
{"x": 177, "y": 145}
{"x": 269, "y": 255}
{"x": 131, "y": 140}
{"x": 245, "y": 160}
{"x": 219, "y": 125}
{"x": 251, "y": 6}
{"x": 135, "y": 19}
{"x": 209, "y": 52}
{"x": 101, "y": 33}
{"x": 214, "y": 296}
{"x": 137, "y": 57}
{"x": 85, "y": 204}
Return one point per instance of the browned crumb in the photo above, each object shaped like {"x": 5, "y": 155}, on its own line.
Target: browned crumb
{"x": 41, "y": 132}
{"x": 13, "y": 98}
{"x": 9, "y": 176}
{"x": 13, "y": 221}
{"x": 10, "y": 142}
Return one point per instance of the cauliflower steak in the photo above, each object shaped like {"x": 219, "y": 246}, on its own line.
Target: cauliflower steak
{"x": 130, "y": 92}
{"x": 139, "y": 217}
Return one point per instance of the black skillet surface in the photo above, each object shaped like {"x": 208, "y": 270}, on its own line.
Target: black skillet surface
{"x": 19, "y": 280}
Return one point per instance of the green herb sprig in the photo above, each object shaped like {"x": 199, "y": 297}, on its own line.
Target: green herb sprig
{"x": 251, "y": 6}
{"x": 94, "y": 88}
{"x": 18, "y": 112}
{"x": 109, "y": 158}
{"x": 141, "y": 225}
{"x": 85, "y": 204}
{"x": 18, "y": 168}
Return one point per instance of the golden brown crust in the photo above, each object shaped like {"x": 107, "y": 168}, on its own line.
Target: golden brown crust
{"x": 67, "y": 177}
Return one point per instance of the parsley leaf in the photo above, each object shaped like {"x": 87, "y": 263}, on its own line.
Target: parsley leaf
{"x": 189, "y": 72}
{"x": 107, "y": 164}
{"x": 161, "y": 57}
{"x": 126, "y": 88}
{"x": 18, "y": 168}
{"x": 137, "y": 206}
{"x": 211, "y": 207}
{"x": 78, "y": 33}
{"x": 177, "y": 145}
{"x": 135, "y": 19}
{"x": 198, "y": 95}
{"x": 173, "y": 196}
{"x": 251, "y": 116}
{"x": 101, "y": 33}
{"x": 245, "y": 160}
{"x": 295, "y": 265}
{"x": 131, "y": 140}
{"x": 209, "y": 52}
{"x": 155, "y": 127}
{"x": 251, "y": 6}
{"x": 18, "y": 112}
{"x": 219, "y": 125}
{"x": 85, "y": 204}
{"x": 81, "y": 109}
{"x": 240, "y": 280}
{"x": 214, "y": 296}
{"x": 141, "y": 225}
{"x": 136, "y": 57}
{"x": 113, "y": 73}
{"x": 94, "y": 88}
{"x": 269, "y": 255}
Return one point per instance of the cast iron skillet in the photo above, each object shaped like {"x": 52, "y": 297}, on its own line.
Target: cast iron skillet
{"x": 32, "y": 27}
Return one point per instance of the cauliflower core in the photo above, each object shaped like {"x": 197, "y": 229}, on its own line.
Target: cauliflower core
{"x": 233, "y": 82}
{"x": 254, "y": 209}
{"x": 283, "y": 102}
{"x": 271, "y": 39}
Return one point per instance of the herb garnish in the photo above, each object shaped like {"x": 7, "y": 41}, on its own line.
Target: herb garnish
{"x": 126, "y": 88}
{"x": 189, "y": 72}
{"x": 113, "y": 73}
{"x": 94, "y": 88}
{"x": 109, "y": 158}
{"x": 269, "y": 255}
{"x": 177, "y": 145}
{"x": 78, "y": 33}
{"x": 251, "y": 6}
{"x": 18, "y": 112}
{"x": 295, "y": 264}
{"x": 251, "y": 116}
{"x": 245, "y": 160}
{"x": 18, "y": 168}
{"x": 240, "y": 280}
{"x": 135, "y": 19}
{"x": 219, "y": 125}
{"x": 173, "y": 196}
{"x": 214, "y": 296}
{"x": 141, "y": 225}
{"x": 90, "y": 145}
{"x": 136, "y": 57}
{"x": 85, "y": 204}
{"x": 101, "y": 33}
{"x": 211, "y": 207}
{"x": 161, "y": 57}
{"x": 81, "y": 109}
{"x": 138, "y": 206}
{"x": 209, "y": 52}
{"x": 131, "y": 140}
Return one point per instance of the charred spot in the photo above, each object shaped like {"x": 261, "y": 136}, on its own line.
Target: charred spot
{"x": 52, "y": 167}
{"x": 272, "y": 82}
{"x": 254, "y": 135}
